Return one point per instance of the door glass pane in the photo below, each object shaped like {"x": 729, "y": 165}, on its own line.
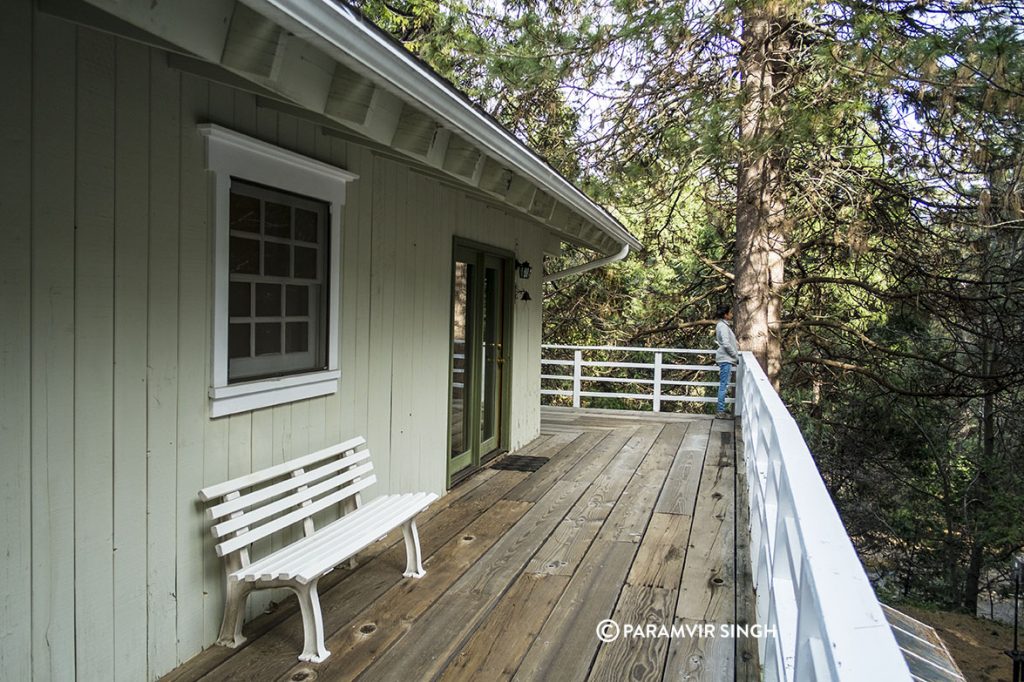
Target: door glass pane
{"x": 488, "y": 350}
{"x": 462, "y": 327}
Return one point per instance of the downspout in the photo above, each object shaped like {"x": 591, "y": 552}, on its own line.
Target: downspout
{"x": 592, "y": 265}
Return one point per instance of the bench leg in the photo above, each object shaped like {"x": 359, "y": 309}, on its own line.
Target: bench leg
{"x": 234, "y": 614}
{"x": 313, "y": 649}
{"x": 413, "y": 559}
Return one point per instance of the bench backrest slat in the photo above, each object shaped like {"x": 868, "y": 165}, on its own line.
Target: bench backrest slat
{"x": 278, "y": 470}
{"x": 271, "y": 491}
{"x": 253, "y": 516}
{"x": 239, "y": 541}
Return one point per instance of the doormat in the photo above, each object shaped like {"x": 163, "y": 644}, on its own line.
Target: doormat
{"x": 520, "y": 463}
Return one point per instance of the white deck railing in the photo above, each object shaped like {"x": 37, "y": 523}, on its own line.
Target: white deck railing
{"x": 812, "y": 592}
{"x": 822, "y": 618}
{"x": 580, "y": 371}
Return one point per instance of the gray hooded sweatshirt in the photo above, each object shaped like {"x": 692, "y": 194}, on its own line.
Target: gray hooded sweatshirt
{"x": 727, "y": 347}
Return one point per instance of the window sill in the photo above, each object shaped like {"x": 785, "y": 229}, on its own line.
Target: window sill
{"x": 253, "y": 395}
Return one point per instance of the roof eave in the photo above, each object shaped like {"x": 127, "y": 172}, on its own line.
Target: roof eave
{"x": 349, "y": 39}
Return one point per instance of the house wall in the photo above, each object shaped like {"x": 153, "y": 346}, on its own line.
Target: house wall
{"x": 107, "y": 567}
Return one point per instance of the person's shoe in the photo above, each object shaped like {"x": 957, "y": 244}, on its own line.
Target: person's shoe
{"x": 721, "y": 415}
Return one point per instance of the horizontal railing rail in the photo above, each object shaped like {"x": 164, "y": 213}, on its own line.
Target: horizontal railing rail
{"x": 585, "y": 377}
{"x": 821, "y": 615}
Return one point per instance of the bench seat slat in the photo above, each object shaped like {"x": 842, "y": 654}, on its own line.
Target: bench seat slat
{"x": 326, "y": 555}
{"x": 324, "y": 563}
{"x": 271, "y": 491}
{"x": 269, "y": 564}
{"x": 253, "y": 516}
{"x": 286, "y": 520}
{"x": 278, "y": 470}
{"x": 332, "y": 544}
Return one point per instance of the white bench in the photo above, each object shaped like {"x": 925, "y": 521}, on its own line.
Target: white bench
{"x": 260, "y": 504}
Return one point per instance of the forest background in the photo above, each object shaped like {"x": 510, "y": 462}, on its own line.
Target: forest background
{"x": 848, "y": 175}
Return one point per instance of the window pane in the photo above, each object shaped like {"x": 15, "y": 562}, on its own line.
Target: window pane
{"x": 296, "y": 337}
{"x": 305, "y": 225}
{"x": 238, "y": 341}
{"x": 245, "y": 213}
{"x": 245, "y": 256}
{"x": 279, "y": 220}
{"x": 305, "y": 262}
{"x": 297, "y": 300}
{"x": 239, "y": 304}
{"x": 268, "y": 338}
{"x": 268, "y": 300}
{"x": 276, "y": 259}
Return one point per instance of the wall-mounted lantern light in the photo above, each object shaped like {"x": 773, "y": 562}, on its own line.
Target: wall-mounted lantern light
{"x": 523, "y": 269}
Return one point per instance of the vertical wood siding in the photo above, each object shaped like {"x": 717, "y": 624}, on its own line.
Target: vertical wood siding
{"x": 94, "y": 356}
{"x": 131, "y": 246}
{"x": 105, "y": 349}
{"x": 53, "y": 364}
{"x": 15, "y": 349}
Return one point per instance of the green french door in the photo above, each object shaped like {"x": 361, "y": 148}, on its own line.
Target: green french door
{"x": 478, "y": 388}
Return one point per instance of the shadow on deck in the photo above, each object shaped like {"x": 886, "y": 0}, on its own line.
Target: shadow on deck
{"x": 633, "y": 518}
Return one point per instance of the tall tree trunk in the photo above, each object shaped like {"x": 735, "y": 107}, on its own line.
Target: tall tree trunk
{"x": 973, "y": 579}
{"x": 985, "y": 488}
{"x": 760, "y": 199}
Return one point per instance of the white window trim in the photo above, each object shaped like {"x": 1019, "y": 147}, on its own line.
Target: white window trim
{"x": 230, "y": 154}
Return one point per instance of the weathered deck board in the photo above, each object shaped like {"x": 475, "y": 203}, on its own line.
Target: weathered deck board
{"x": 565, "y": 646}
{"x": 637, "y": 658}
{"x": 707, "y": 590}
{"x": 421, "y": 654}
{"x": 496, "y": 649}
{"x": 632, "y": 518}
{"x": 532, "y": 488}
{"x": 659, "y": 563}
{"x": 704, "y": 658}
{"x": 707, "y": 593}
{"x": 564, "y": 550}
{"x": 680, "y": 491}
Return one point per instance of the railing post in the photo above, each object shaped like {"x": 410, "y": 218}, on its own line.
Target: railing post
{"x": 577, "y": 376}
{"x": 657, "y": 382}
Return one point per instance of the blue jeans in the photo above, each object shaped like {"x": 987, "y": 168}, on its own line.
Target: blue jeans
{"x": 724, "y": 372}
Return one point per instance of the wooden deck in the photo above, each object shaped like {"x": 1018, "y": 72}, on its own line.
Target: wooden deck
{"x": 633, "y": 518}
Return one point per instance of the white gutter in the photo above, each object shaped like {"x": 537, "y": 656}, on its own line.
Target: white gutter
{"x": 351, "y": 40}
{"x": 592, "y": 265}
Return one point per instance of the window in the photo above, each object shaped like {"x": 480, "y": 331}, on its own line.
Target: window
{"x": 277, "y": 283}
{"x": 277, "y": 273}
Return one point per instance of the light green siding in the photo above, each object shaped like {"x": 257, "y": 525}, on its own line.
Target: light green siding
{"x": 15, "y": 345}
{"x": 106, "y": 342}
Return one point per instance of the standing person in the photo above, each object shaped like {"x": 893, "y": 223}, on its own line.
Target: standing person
{"x": 726, "y": 355}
